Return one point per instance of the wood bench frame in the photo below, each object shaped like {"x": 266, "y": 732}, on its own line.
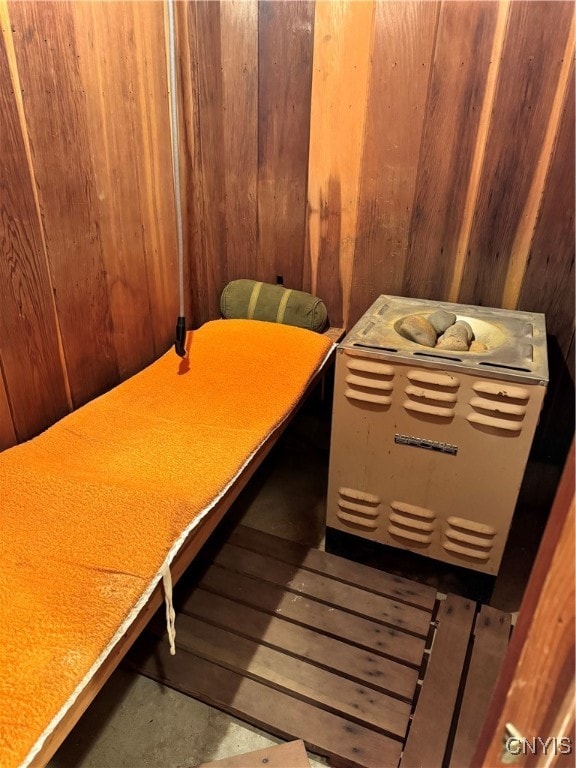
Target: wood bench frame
{"x": 186, "y": 555}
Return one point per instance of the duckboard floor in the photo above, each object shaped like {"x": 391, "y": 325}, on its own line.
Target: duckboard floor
{"x": 367, "y": 668}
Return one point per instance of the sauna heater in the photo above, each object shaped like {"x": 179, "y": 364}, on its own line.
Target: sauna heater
{"x": 429, "y": 446}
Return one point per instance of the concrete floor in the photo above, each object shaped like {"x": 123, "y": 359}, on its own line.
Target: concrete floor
{"x": 135, "y": 722}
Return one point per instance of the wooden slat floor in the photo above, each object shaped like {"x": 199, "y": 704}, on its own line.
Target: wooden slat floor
{"x": 311, "y": 646}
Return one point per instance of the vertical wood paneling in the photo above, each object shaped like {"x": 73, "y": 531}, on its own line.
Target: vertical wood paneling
{"x": 285, "y": 45}
{"x": 520, "y": 248}
{"x": 110, "y": 82}
{"x": 153, "y": 156}
{"x": 7, "y": 431}
{"x": 29, "y": 350}
{"x": 342, "y": 51}
{"x": 325, "y": 236}
{"x": 204, "y": 136}
{"x": 531, "y": 63}
{"x": 549, "y": 278}
{"x": 503, "y": 10}
{"x": 401, "y": 59}
{"x": 419, "y": 148}
{"x": 152, "y": 126}
{"x": 453, "y": 109}
{"x": 188, "y": 119}
{"x": 549, "y": 286}
{"x": 129, "y": 157}
{"x": 239, "y": 45}
{"x": 55, "y": 108}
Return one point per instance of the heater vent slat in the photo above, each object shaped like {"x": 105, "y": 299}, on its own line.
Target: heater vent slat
{"x": 466, "y": 538}
{"x": 497, "y": 407}
{"x": 431, "y": 410}
{"x": 349, "y": 506}
{"x": 420, "y": 538}
{"x": 358, "y": 508}
{"x": 369, "y": 366}
{"x": 457, "y": 549}
{"x": 501, "y": 390}
{"x": 367, "y": 397}
{"x": 418, "y": 525}
{"x": 412, "y": 509}
{"x": 362, "y": 522}
{"x": 430, "y": 377}
{"x": 471, "y": 525}
{"x": 352, "y": 493}
{"x": 469, "y": 538}
{"x": 411, "y": 522}
{"x": 369, "y": 381}
{"x": 431, "y": 394}
{"x": 353, "y": 380}
{"x": 479, "y": 419}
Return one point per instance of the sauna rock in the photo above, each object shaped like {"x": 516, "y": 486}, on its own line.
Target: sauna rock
{"x": 419, "y": 329}
{"x": 454, "y": 343}
{"x": 441, "y": 320}
{"x": 467, "y": 327}
{"x": 442, "y": 330}
{"x": 456, "y": 338}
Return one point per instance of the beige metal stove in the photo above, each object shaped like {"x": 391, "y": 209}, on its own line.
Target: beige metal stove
{"x": 429, "y": 446}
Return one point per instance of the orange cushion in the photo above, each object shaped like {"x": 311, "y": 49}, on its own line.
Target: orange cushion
{"x": 93, "y": 507}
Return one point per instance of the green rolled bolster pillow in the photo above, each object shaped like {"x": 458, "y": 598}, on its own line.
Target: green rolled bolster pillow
{"x": 253, "y": 300}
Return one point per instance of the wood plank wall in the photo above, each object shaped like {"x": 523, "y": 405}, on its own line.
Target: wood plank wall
{"x": 411, "y": 147}
{"x": 87, "y": 238}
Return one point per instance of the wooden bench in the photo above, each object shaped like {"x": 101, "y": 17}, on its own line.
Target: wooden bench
{"x": 368, "y": 669}
{"x": 190, "y": 547}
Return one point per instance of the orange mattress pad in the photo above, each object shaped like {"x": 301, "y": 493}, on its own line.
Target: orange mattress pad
{"x": 96, "y": 506}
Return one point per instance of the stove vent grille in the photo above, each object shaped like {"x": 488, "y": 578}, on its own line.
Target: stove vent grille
{"x": 412, "y": 523}
{"x": 431, "y": 393}
{"x": 468, "y": 538}
{"x": 369, "y": 381}
{"x": 358, "y": 508}
{"x": 499, "y": 406}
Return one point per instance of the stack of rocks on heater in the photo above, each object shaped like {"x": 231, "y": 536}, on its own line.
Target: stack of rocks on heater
{"x": 441, "y": 330}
